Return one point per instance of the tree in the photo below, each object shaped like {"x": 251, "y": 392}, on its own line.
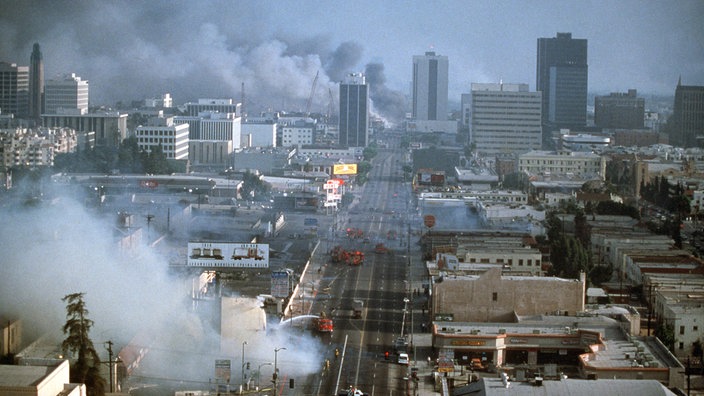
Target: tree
{"x": 86, "y": 362}
{"x": 369, "y": 152}
{"x": 253, "y": 187}
{"x": 666, "y": 333}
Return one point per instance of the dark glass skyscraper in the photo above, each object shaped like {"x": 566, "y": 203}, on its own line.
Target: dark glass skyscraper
{"x": 562, "y": 78}
{"x": 686, "y": 126}
{"x": 354, "y": 111}
{"x": 14, "y": 89}
{"x": 36, "y": 83}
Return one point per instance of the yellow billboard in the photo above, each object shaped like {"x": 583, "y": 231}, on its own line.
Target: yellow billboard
{"x": 344, "y": 169}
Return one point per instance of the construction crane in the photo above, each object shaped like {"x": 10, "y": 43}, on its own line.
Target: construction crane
{"x": 312, "y": 92}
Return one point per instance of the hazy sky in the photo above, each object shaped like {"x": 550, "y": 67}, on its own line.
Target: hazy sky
{"x": 135, "y": 49}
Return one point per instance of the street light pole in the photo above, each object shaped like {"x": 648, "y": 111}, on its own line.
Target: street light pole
{"x": 243, "y": 378}
{"x": 403, "y": 318}
{"x": 276, "y": 370}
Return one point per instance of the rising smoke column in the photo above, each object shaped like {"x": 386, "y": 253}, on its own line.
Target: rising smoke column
{"x": 388, "y": 103}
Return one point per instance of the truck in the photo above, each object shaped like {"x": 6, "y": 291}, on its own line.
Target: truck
{"x": 351, "y": 392}
{"x": 357, "y": 306}
{"x": 380, "y": 248}
{"x": 323, "y": 324}
{"x": 356, "y": 258}
{"x": 354, "y": 233}
{"x": 246, "y": 253}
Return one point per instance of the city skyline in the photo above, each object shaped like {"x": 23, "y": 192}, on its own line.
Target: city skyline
{"x": 133, "y": 50}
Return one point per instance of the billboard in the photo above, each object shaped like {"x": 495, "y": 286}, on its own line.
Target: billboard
{"x": 344, "y": 169}
{"x": 280, "y": 284}
{"x": 222, "y": 370}
{"x": 228, "y": 255}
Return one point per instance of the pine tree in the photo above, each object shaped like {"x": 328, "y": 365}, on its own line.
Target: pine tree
{"x": 85, "y": 368}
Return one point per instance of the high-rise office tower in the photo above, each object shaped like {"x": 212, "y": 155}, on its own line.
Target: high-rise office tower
{"x": 67, "y": 95}
{"x": 505, "y": 118}
{"x": 620, "y": 110}
{"x": 430, "y": 80}
{"x": 686, "y": 125}
{"x": 562, "y": 78}
{"x": 36, "y": 83}
{"x": 14, "y": 89}
{"x": 354, "y": 111}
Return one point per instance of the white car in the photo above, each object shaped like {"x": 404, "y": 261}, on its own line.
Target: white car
{"x": 403, "y": 358}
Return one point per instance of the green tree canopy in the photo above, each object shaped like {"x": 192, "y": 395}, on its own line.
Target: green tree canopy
{"x": 85, "y": 368}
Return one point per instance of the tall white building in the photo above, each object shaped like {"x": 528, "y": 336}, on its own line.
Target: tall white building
{"x": 576, "y": 163}
{"x": 173, "y": 138}
{"x": 430, "y": 82}
{"x": 298, "y": 134}
{"x": 505, "y": 118}
{"x": 67, "y": 95}
{"x": 219, "y": 105}
{"x": 213, "y": 125}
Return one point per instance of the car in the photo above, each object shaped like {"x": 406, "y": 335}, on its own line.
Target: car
{"x": 403, "y": 358}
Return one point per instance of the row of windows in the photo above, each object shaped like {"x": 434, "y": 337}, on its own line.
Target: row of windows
{"x": 694, "y": 329}
{"x": 528, "y": 262}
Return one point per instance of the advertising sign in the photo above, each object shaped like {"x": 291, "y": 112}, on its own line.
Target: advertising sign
{"x": 310, "y": 221}
{"x": 279, "y": 284}
{"x": 222, "y": 370}
{"x": 228, "y": 255}
{"x": 344, "y": 169}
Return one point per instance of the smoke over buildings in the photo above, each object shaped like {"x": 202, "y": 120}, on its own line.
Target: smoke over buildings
{"x": 387, "y": 103}
{"x": 52, "y": 250}
{"x": 129, "y": 51}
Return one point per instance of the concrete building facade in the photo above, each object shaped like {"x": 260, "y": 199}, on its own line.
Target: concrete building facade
{"x": 562, "y": 162}
{"x": 505, "y": 118}
{"x": 259, "y": 134}
{"x": 173, "y": 138}
{"x": 493, "y": 297}
{"x": 217, "y": 105}
{"x": 67, "y": 95}
{"x": 298, "y": 134}
{"x": 620, "y": 111}
{"x": 430, "y": 85}
{"x": 14, "y": 89}
{"x": 110, "y": 128}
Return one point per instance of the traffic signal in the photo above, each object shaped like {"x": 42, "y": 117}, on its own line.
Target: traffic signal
{"x": 386, "y": 355}
{"x": 247, "y": 365}
{"x": 290, "y": 383}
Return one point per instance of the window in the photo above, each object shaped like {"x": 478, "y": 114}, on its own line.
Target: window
{"x": 494, "y": 296}
{"x": 695, "y": 328}
{"x": 681, "y": 329}
{"x": 520, "y": 262}
{"x": 681, "y": 345}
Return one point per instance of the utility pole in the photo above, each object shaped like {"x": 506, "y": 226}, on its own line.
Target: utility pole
{"x": 110, "y": 364}
{"x": 243, "y": 378}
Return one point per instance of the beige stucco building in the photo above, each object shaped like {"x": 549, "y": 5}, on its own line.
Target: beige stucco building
{"x": 492, "y": 297}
